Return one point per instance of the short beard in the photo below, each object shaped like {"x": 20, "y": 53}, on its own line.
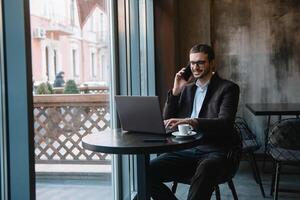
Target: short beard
{"x": 205, "y": 73}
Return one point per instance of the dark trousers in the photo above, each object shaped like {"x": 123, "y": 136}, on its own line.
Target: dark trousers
{"x": 202, "y": 167}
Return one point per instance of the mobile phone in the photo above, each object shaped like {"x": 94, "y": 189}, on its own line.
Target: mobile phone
{"x": 187, "y": 72}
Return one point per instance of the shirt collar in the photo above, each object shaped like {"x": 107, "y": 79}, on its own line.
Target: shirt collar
{"x": 202, "y": 87}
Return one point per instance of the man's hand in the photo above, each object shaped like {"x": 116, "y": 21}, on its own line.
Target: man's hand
{"x": 173, "y": 122}
{"x": 179, "y": 82}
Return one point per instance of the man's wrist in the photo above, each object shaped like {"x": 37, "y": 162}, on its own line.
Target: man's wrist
{"x": 193, "y": 122}
{"x": 175, "y": 92}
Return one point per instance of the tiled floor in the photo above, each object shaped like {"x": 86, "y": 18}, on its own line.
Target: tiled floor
{"x": 99, "y": 189}
{"x": 247, "y": 189}
{"x": 73, "y": 190}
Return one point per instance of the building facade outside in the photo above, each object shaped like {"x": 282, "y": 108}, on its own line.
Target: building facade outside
{"x": 70, "y": 36}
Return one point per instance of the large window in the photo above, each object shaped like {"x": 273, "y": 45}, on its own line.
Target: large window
{"x": 80, "y": 100}
{"x": 136, "y": 67}
{"x": 44, "y": 130}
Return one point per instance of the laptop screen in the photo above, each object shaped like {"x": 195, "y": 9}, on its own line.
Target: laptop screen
{"x": 140, "y": 114}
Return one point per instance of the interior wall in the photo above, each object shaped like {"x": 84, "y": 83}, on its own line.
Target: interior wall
{"x": 257, "y": 45}
{"x": 193, "y": 27}
{"x": 176, "y": 31}
{"x": 165, "y": 25}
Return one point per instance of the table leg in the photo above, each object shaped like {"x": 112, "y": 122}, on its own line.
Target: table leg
{"x": 266, "y": 142}
{"x": 142, "y": 181}
{"x": 267, "y": 132}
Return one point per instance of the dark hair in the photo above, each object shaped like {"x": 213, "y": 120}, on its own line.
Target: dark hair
{"x": 203, "y": 48}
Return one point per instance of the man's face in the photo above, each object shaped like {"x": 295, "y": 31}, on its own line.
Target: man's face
{"x": 200, "y": 66}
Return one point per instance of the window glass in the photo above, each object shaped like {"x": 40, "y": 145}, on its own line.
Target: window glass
{"x": 75, "y": 64}
{"x": 72, "y": 12}
{"x": 93, "y": 65}
{"x": 71, "y": 99}
{"x": 55, "y": 61}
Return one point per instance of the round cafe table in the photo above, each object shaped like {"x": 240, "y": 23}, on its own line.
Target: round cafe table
{"x": 142, "y": 145}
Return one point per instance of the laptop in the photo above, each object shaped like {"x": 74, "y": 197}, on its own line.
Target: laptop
{"x": 141, "y": 114}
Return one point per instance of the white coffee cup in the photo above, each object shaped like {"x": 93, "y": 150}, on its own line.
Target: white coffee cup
{"x": 184, "y": 129}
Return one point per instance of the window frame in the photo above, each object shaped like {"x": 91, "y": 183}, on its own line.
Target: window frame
{"x": 3, "y": 137}
{"x": 130, "y": 73}
{"x": 18, "y": 100}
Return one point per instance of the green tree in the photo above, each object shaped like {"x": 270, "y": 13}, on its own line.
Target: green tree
{"x": 71, "y": 87}
{"x": 44, "y": 88}
{"x": 49, "y": 86}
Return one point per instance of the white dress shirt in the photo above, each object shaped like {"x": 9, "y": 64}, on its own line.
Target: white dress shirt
{"x": 199, "y": 98}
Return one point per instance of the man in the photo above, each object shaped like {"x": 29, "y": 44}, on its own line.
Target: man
{"x": 59, "y": 80}
{"x": 209, "y": 105}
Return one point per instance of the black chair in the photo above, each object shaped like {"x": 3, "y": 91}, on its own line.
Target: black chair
{"x": 249, "y": 146}
{"x": 234, "y": 158}
{"x": 284, "y": 148}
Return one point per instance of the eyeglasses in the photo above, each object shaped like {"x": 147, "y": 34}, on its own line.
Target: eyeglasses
{"x": 198, "y": 62}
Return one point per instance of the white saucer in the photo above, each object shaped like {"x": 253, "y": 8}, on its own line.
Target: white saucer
{"x": 177, "y": 134}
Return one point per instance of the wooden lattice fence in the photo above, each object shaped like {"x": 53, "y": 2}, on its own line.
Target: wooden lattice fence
{"x": 60, "y": 122}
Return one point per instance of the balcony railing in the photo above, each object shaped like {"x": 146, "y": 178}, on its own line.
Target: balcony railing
{"x": 61, "y": 121}
{"x": 84, "y": 89}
